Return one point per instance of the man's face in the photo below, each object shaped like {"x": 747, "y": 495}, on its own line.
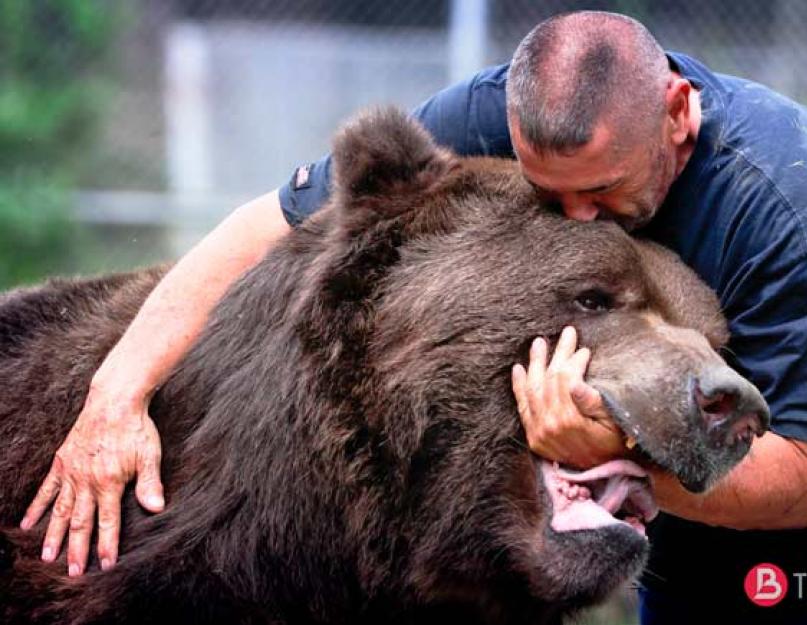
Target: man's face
{"x": 604, "y": 179}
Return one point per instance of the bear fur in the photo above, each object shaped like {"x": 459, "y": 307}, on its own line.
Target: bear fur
{"x": 342, "y": 444}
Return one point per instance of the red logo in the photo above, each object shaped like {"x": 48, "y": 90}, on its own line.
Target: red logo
{"x": 766, "y": 584}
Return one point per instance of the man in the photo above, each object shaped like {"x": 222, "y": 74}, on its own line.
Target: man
{"x": 606, "y": 126}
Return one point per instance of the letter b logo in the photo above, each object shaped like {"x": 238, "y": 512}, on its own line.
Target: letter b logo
{"x": 766, "y": 584}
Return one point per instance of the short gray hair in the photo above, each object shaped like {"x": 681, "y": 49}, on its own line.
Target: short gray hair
{"x": 575, "y": 69}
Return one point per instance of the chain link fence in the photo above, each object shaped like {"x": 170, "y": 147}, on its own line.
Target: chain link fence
{"x": 193, "y": 106}
{"x": 274, "y": 77}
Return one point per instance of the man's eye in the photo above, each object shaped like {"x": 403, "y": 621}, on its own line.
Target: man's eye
{"x": 594, "y": 300}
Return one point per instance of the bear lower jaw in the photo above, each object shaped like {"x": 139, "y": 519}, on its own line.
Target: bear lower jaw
{"x": 614, "y": 493}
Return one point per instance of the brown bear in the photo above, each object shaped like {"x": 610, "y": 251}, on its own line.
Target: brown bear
{"x": 343, "y": 446}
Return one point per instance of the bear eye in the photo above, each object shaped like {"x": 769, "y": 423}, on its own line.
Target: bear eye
{"x": 594, "y": 300}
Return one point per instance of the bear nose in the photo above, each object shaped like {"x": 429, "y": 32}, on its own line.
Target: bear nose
{"x": 731, "y": 408}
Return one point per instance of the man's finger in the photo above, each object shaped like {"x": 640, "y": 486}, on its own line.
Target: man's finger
{"x": 44, "y": 497}
{"x": 109, "y": 520}
{"x": 537, "y": 368}
{"x": 589, "y": 401}
{"x": 59, "y": 522}
{"x": 81, "y": 524}
{"x": 567, "y": 344}
{"x": 576, "y": 366}
{"x": 519, "y": 377}
{"x": 586, "y": 398}
{"x": 149, "y": 488}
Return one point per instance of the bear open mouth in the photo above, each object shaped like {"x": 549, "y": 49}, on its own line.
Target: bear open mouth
{"x": 617, "y": 492}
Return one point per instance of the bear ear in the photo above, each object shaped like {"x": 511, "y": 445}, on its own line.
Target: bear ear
{"x": 383, "y": 159}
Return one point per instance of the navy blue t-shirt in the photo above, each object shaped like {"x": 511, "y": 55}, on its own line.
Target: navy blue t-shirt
{"x": 738, "y": 216}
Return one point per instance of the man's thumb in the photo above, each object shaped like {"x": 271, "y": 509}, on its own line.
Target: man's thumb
{"x": 588, "y": 400}
{"x": 149, "y": 488}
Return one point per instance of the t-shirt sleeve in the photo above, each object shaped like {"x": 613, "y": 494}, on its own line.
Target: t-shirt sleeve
{"x": 468, "y": 117}
{"x": 764, "y": 296}
{"x": 306, "y": 192}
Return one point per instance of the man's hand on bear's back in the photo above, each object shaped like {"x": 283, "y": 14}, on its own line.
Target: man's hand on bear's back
{"x": 564, "y": 418}
{"x": 112, "y": 441}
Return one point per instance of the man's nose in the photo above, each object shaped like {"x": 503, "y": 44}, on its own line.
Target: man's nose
{"x": 579, "y": 208}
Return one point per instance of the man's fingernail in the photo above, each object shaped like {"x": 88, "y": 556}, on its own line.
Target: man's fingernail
{"x": 47, "y": 554}
{"x": 106, "y": 564}
{"x": 155, "y": 501}
{"x": 538, "y": 343}
{"x": 73, "y": 570}
{"x": 25, "y": 524}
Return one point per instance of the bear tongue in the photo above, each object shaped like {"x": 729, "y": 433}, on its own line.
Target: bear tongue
{"x": 602, "y": 471}
{"x": 626, "y": 483}
{"x": 641, "y": 498}
{"x": 622, "y": 489}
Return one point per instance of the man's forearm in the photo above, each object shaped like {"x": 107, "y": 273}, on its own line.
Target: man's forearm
{"x": 767, "y": 490}
{"x": 173, "y": 316}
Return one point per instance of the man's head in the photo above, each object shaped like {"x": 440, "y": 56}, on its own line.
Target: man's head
{"x": 599, "y": 122}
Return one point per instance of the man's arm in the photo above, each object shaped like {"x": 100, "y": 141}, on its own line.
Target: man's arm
{"x": 114, "y": 439}
{"x": 767, "y": 490}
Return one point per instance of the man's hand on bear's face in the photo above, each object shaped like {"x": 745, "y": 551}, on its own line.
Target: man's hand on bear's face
{"x": 564, "y": 418}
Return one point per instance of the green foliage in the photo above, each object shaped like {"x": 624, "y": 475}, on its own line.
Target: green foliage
{"x": 34, "y": 229}
{"x": 51, "y": 54}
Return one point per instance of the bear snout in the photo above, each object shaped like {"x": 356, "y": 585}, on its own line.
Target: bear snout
{"x": 731, "y": 410}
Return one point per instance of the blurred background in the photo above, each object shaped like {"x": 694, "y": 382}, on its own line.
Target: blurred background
{"x": 129, "y": 128}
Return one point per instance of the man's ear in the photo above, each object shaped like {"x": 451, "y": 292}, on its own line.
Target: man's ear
{"x": 385, "y": 161}
{"x": 678, "y": 110}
